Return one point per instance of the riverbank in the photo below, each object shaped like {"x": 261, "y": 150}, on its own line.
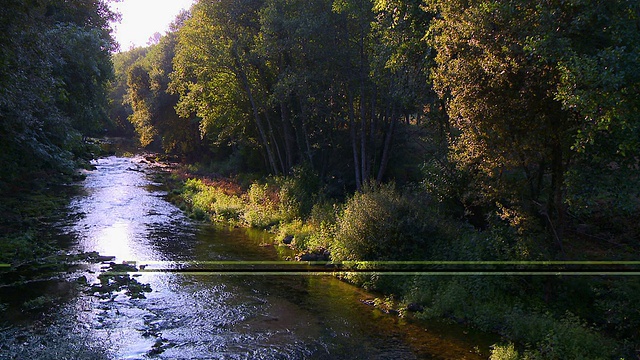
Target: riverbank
{"x": 539, "y": 316}
{"x": 122, "y": 212}
{"x": 31, "y": 207}
{"x": 26, "y": 222}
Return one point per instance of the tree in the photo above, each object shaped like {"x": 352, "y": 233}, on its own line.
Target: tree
{"x": 141, "y": 98}
{"x": 54, "y": 64}
{"x": 119, "y": 108}
{"x": 153, "y": 105}
{"x": 511, "y": 131}
{"x": 597, "y": 57}
{"x": 401, "y": 64}
{"x": 84, "y": 68}
{"x": 520, "y": 79}
{"x": 219, "y": 76}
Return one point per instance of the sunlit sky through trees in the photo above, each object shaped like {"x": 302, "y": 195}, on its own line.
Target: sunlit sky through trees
{"x": 142, "y": 18}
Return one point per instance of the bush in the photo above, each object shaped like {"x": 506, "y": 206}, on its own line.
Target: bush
{"x": 298, "y": 192}
{"x": 550, "y": 338}
{"x": 300, "y": 231}
{"x": 382, "y": 224}
{"x": 616, "y": 305}
{"x": 212, "y": 202}
{"x": 504, "y": 352}
{"x": 316, "y": 233}
{"x": 262, "y": 209}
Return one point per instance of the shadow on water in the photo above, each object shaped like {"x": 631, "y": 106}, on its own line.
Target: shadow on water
{"x": 194, "y": 315}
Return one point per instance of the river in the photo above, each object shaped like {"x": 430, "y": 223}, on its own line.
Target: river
{"x": 199, "y": 314}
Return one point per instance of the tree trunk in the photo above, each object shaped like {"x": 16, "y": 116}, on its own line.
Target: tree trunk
{"x": 256, "y": 116}
{"x": 288, "y": 138}
{"x": 354, "y": 141}
{"x": 556, "y": 203}
{"x": 275, "y": 141}
{"x": 363, "y": 137}
{"x": 387, "y": 147}
{"x": 307, "y": 143}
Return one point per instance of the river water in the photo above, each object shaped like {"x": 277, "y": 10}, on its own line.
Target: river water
{"x": 201, "y": 314}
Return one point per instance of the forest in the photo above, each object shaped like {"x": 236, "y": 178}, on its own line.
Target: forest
{"x": 374, "y": 130}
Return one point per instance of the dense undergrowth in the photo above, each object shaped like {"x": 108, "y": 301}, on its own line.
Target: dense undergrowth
{"x": 546, "y": 317}
{"x": 31, "y": 206}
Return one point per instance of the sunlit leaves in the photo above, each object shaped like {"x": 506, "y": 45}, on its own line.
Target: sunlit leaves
{"x": 539, "y": 89}
{"x": 499, "y": 99}
{"x": 207, "y": 64}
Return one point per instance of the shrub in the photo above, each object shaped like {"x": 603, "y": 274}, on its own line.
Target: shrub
{"x": 210, "y": 201}
{"x": 262, "y": 208}
{"x": 382, "y": 224}
{"x": 228, "y": 207}
{"x": 504, "y": 352}
{"x": 316, "y": 233}
{"x": 566, "y": 338}
{"x": 300, "y": 231}
{"x": 298, "y": 191}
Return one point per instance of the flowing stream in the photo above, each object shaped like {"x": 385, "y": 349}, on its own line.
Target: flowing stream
{"x": 201, "y": 314}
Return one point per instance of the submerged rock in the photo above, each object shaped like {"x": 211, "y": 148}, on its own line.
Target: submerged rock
{"x": 115, "y": 279}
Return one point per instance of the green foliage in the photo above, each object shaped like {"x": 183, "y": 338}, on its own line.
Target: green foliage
{"x": 535, "y": 90}
{"x": 509, "y": 127}
{"x": 119, "y": 106}
{"x": 567, "y": 338}
{"x": 54, "y": 65}
{"x": 491, "y": 306}
{"x": 15, "y": 248}
{"x": 381, "y": 223}
{"x": 210, "y": 202}
{"x": 316, "y": 233}
{"x": 214, "y": 74}
{"x": 84, "y": 69}
{"x": 263, "y": 206}
{"x": 504, "y": 352}
{"x": 260, "y": 207}
{"x": 25, "y": 235}
{"x": 140, "y": 98}
{"x": 596, "y": 188}
{"x": 615, "y": 304}
{"x": 298, "y": 191}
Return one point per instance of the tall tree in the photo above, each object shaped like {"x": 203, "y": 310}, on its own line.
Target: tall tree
{"x": 303, "y": 44}
{"x": 401, "y": 64}
{"x": 512, "y": 130}
{"x": 54, "y": 65}
{"x": 119, "y": 107}
{"x": 219, "y": 76}
{"x": 597, "y": 55}
{"x": 521, "y": 79}
{"x": 356, "y": 32}
{"x": 153, "y": 104}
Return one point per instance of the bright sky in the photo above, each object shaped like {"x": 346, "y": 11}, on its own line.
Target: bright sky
{"x": 142, "y": 18}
